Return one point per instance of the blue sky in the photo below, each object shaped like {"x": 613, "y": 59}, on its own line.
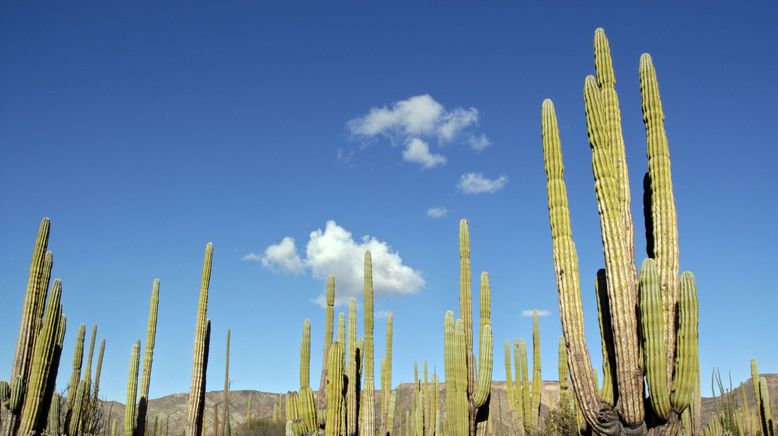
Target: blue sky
{"x": 146, "y": 130}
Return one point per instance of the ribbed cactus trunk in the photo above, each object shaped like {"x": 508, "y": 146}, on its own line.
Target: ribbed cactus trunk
{"x": 226, "y": 417}
{"x": 334, "y": 387}
{"x": 38, "y": 397}
{"x": 200, "y": 358}
{"x": 386, "y": 377}
{"x": 662, "y": 341}
{"x": 537, "y": 378}
{"x": 353, "y": 375}
{"x": 75, "y": 374}
{"x": 148, "y": 359}
{"x": 305, "y": 402}
{"x": 32, "y": 312}
{"x": 321, "y": 395}
{"x": 132, "y": 391}
{"x": 367, "y": 404}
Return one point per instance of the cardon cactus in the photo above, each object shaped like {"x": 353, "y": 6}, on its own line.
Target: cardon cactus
{"x": 367, "y": 400}
{"x": 148, "y": 359}
{"x": 334, "y": 386}
{"x": 200, "y": 358}
{"x": 659, "y": 340}
{"x": 132, "y": 391}
{"x": 467, "y": 393}
{"x": 39, "y": 396}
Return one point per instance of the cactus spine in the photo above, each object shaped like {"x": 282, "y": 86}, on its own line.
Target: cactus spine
{"x": 468, "y": 407}
{"x": 132, "y": 391}
{"x": 200, "y": 358}
{"x": 148, "y": 358}
{"x": 670, "y": 367}
{"x": 367, "y": 402}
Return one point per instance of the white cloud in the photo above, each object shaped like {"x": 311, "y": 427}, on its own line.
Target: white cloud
{"x": 416, "y": 121}
{"x": 281, "y": 257}
{"x": 418, "y": 151}
{"x": 476, "y": 183}
{"x": 333, "y": 251}
{"x": 479, "y": 143}
{"x": 437, "y": 212}
{"x": 527, "y": 313}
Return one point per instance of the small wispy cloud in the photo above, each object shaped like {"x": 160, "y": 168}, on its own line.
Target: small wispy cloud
{"x": 476, "y": 183}
{"x": 528, "y": 313}
{"x": 437, "y": 212}
{"x": 415, "y": 123}
{"x": 281, "y": 257}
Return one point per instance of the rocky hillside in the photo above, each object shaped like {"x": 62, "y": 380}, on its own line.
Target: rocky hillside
{"x": 172, "y": 409}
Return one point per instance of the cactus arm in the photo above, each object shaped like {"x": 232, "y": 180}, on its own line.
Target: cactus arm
{"x": 509, "y": 374}
{"x": 368, "y": 393}
{"x": 663, "y": 218}
{"x": 38, "y": 397}
{"x": 687, "y": 356}
{"x": 465, "y": 301}
{"x": 566, "y": 268}
{"x": 334, "y": 386}
{"x": 485, "y": 362}
{"x": 305, "y": 356}
{"x": 537, "y": 378}
{"x": 132, "y": 391}
{"x": 200, "y": 354}
{"x": 609, "y": 392}
{"x": 98, "y": 370}
{"x": 652, "y": 323}
{"x": 226, "y": 417}
{"x": 351, "y": 396}
{"x": 328, "y": 326}
{"x": 622, "y": 286}
{"x": 23, "y": 356}
{"x": 148, "y": 358}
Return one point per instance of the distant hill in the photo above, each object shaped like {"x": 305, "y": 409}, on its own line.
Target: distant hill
{"x": 174, "y": 407}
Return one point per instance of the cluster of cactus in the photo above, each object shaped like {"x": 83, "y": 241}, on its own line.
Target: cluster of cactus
{"x": 341, "y": 406}
{"x": 764, "y": 414}
{"x": 468, "y": 393}
{"x": 648, "y": 321}
{"x": 424, "y": 416}
{"x": 524, "y": 394}
{"x": 28, "y": 394}
{"x": 135, "y": 423}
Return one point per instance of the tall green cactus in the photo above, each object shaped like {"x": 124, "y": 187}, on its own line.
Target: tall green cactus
{"x": 226, "y": 416}
{"x": 148, "y": 358}
{"x": 367, "y": 401}
{"x": 32, "y": 312}
{"x": 200, "y": 358}
{"x": 353, "y": 373}
{"x": 537, "y": 378}
{"x": 132, "y": 391}
{"x": 334, "y": 390}
{"x": 470, "y": 394}
{"x": 386, "y": 377}
{"x": 665, "y": 345}
{"x": 762, "y": 400}
{"x": 98, "y": 370}
{"x": 39, "y": 397}
{"x": 306, "y": 407}
{"x": 75, "y": 374}
{"x": 564, "y": 383}
{"x": 328, "y": 326}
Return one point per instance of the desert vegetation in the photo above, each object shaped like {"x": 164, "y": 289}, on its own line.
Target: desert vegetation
{"x": 648, "y": 318}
